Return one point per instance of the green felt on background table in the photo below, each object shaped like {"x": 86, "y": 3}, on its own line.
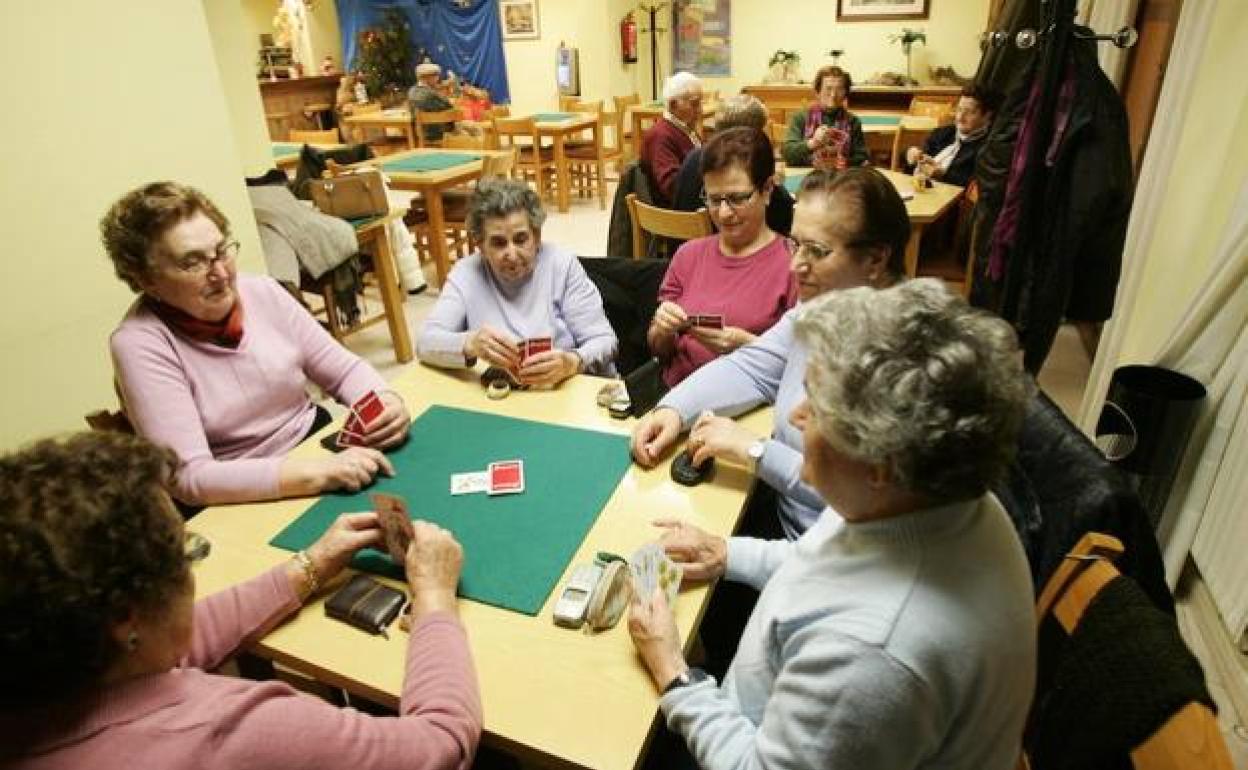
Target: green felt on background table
{"x": 515, "y": 546}
{"x": 792, "y": 180}
{"x": 435, "y": 161}
{"x": 285, "y": 148}
{"x": 552, "y": 117}
{"x": 880, "y": 120}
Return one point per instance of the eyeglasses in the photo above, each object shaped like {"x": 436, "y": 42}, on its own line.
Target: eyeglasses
{"x": 808, "y": 250}
{"x": 199, "y": 264}
{"x": 735, "y": 200}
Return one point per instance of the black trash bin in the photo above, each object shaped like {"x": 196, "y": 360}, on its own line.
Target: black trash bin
{"x": 1144, "y": 428}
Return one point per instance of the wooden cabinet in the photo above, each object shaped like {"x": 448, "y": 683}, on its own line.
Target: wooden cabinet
{"x": 791, "y": 98}
{"x": 285, "y": 101}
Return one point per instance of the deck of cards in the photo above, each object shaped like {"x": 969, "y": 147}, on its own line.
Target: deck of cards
{"x": 533, "y": 346}
{"x": 652, "y": 569}
{"x": 364, "y": 413}
{"x": 707, "y": 320}
{"x": 396, "y": 524}
{"x": 501, "y": 478}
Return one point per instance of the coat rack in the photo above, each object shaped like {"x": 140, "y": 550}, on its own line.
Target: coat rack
{"x": 653, "y": 9}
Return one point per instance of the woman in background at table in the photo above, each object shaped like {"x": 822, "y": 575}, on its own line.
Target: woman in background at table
{"x": 898, "y": 634}
{"x": 104, "y": 659}
{"x": 740, "y": 274}
{"x": 215, "y": 365}
{"x": 849, "y": 229}
{"x": 517, "y": 287}
{"x": 827, "y": 135}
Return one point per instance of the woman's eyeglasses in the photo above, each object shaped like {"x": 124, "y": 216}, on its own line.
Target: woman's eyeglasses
{"x": 735, "y": 200}
{"x": 808, "y": 250}
{"x": 200, "y": 264}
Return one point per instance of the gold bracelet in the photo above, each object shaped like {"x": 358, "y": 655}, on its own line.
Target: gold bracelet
{"x": 312, "y": 580}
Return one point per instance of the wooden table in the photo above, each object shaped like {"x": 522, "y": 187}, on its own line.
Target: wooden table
{"x": 431, "y": 184}
{"x": 559, "y": 132}
{"x": 923, "y": 207}
{"x": 798, "y": 96}
{"x": 286, "y": 154}
{"x": 394, "y": 117}
{"x": 553, "y": 695}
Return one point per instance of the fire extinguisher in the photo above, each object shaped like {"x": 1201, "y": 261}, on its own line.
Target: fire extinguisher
{"x": 628, "y": 38}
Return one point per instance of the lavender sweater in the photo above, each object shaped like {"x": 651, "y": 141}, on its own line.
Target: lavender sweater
{"x": 232, "y": 415}
{"x": 557, "y": 300}
{"x": 187, "y": 718}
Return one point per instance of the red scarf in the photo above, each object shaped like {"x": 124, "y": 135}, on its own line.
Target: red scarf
{"x": 227, "y": 333}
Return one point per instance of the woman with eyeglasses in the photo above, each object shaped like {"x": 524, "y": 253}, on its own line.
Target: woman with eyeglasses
{"x": 827, "y": 135}
{"x": 215, "y": 365}
{"x": 106, "y": 656}
{"x": 849, "y": 229}
{"x": 740, "y": 275}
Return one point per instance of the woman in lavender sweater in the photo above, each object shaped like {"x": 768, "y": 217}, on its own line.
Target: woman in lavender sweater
{"x": 517, "y": 287}
{"x": 215, "y": 365}
{"x": 106, "y": 655}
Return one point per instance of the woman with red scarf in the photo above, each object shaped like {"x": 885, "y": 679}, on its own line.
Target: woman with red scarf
{"x": 827, "y": 135}
{"x": 215, "y": 365}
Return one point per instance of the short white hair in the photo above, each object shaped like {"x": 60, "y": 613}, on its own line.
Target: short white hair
{"x": 678, "y": 85}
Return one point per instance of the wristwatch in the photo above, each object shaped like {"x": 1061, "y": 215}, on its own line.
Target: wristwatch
{"x": 687, "y": 677}
{"x": 755, "y": 453}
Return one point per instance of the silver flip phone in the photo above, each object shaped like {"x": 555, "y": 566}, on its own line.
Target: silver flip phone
{"x": 573, "y": 601}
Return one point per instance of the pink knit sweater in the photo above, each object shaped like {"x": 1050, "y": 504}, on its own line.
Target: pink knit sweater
{"x": 232, "y": 415}
{"x": 187, "y": 718}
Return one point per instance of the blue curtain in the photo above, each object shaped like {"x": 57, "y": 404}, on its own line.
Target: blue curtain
{"x": 461, "y": 35}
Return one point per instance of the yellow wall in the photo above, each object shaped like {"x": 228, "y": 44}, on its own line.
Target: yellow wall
{"x": 1209, "y": 169}
{"x": 230, "y": 32}
{"x": 121, "y": 100}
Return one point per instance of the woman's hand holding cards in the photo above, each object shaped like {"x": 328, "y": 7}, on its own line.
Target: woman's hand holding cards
{"x": 701, "y": 555}
{"x": 495, "y": 347}
{"x": 549, "y": 368}
{"x": 390, "y": 427}
{"x": 433, "y": 563}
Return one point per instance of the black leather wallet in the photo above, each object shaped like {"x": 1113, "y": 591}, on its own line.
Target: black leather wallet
{"x": 366, "y": 604}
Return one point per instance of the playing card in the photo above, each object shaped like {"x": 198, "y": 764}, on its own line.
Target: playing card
{"x": 651, "y": 568}
{"x": 709, "y": 320}
{"x": 533, "y": 346}
{"x": 396, "y": 524}
{"x": 470, "y": 483}
{"x": 368, "y": 408}
{"x": 506, "y": 477}
{"x": 348, "y": 438}
{"x": 837, "y": 137}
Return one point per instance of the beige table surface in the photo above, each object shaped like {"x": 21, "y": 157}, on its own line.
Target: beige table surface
{"x": 554, "y": 695}
{"x": 393, "y": 117}
{"x": 924, "y": 207}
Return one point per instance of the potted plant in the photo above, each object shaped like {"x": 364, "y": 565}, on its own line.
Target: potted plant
{"x": 908, "y": 38}
{"x": 783, "y": 66}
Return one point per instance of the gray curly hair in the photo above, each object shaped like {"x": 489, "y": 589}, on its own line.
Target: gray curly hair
{"x": 496, "y": 198}
{"x": 914, "y": 378}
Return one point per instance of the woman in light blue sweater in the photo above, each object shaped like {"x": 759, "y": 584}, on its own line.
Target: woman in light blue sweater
{"x": 898, "y": 634}
{"x": 849, "y": 229}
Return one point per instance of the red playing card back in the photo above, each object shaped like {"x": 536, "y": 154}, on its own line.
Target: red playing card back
{"x": 507, "y": 476}
{"x": 369, "y": 407}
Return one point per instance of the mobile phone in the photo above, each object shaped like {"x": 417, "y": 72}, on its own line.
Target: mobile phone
{"x": 574, "y": 600}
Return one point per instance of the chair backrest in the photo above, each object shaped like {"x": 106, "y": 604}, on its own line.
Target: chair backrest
{"x": 459, "y": 141}
{"x": 940, "y": 110}
{"x": 329, "y": 136}
{"x": 424, "y": 118}
{"x": 622, "y": 103}
{"x": 590, "y": 107}
{"x": 1189, "y": 738}
{"x": 683, "y": 225}
{"x": 360, "y": 109}
{"x": 495, "y": 166}
{"x": 500, "y": 111}
{"x": 566, "y": 102}
{"x": 911, "y": 132}
{"x": 105, "y": 420}
{"x": 510, "y": 130}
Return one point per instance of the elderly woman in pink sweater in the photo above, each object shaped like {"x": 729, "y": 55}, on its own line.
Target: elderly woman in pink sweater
{"x": 215, "y": 365}
{"x": 106, "y": 656}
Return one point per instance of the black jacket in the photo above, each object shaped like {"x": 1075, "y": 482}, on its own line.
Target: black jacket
{"x": 963, "y": 166}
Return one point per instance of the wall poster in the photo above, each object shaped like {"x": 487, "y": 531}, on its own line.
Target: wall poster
{"x": 702, "y": 44}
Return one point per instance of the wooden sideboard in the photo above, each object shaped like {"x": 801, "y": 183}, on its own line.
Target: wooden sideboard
{"x": 875, "y": 98}
{"x": 285, "y": 100}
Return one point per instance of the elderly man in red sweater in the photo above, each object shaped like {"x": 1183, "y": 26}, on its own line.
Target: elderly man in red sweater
{"x": 672, "y": 136}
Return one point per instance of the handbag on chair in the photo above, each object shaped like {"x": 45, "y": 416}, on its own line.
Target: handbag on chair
{"x": 351, "y": 196}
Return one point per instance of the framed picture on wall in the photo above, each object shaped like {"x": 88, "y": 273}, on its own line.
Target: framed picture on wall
{"x": 880, "y": 10}
{"x": 520, "y": 19}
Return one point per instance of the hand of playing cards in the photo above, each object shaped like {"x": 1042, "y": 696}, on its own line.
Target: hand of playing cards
{"x": 396, "y": 525}
{"x": 368, "y": 423}
{"x": 705, "y": 320}
{"x": 652, "y": 569}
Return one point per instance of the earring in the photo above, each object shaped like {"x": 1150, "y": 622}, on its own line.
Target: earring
{"x": 132, "y": 641}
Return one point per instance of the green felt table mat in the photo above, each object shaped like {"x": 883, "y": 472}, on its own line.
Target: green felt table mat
{"x": 285, "y": 148}
{"x": 552, "y": 117}
{"x": 435, "y": 161}
{"x": 880, "y": 120}
{"x": 515, "y": 546}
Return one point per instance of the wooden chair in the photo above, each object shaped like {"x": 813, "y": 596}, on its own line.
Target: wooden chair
{"x": 587, "y": 160}
{"x": 328, "y": 136}
{"x": 641, "y": 124}
{"x": 911, "y": 132}
{"x": 105, "y": 420}
{"x": 444, "y": 118}
{"x": 940, "y": 110}
{"x": 532, "y": 160}
{"x": 624, "y": 125}
{"x": 684, "y": 225}
{"x": 278, "y": 123}
{"x": 1189, "y": 739}
{"x": 500, "y": 111}
{"x": 568, "y": 103}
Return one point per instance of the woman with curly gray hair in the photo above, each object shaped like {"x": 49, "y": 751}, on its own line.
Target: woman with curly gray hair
{"x": 514, "y": 288}
{"x": 909, "y": 614}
